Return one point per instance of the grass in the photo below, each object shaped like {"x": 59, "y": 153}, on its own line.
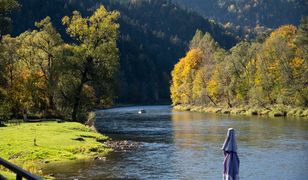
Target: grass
{"x": 8, "y": 175}
{"x": 53, "y": 142}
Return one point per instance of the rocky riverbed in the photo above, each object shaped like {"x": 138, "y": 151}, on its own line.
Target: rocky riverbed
{"x": 122, "y": 146}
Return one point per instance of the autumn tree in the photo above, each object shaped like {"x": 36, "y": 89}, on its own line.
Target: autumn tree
{"x": 192, "y": 74}
{"x": 17, "y": 78}
{"x": 94, "y": 59}
{"x": 177, "y": 81}
{"x": 192, "y": 61}
{"x": 43, "y": 50}
{"x": 274, "y": 66}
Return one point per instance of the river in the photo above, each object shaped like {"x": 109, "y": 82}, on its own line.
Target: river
{"x": 187, "y": 145}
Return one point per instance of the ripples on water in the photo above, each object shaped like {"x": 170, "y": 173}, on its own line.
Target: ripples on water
{"x": 186, "y": 145}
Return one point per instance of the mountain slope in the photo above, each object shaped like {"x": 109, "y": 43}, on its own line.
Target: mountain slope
{"x": 271, "y": 14}
{"x": 154, "y": 36}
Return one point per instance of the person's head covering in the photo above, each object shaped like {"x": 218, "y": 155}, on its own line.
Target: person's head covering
{"x": 230, "y": 142}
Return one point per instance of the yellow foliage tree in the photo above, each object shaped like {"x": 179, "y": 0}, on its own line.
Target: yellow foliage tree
{"x": 183, "y": 75}
{"x": 279, "y": 67}
{"x": 199, "y": 87}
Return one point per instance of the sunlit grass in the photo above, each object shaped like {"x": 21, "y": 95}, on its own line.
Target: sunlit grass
{"x": 53, "y": 142}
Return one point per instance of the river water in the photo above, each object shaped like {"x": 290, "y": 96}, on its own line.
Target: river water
{"x": 187, "y": 145}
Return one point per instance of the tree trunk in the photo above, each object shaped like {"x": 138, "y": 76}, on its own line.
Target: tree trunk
{"x": 229, "y": 104}
{"x": 25, "y": 115}
{"x": 228, "y": 101}
{"x": 77, "y": 96}
{"x": 211, "y": 100}
{"x": 51, "y": 105}
{"x": 76, "y": 103}
{"x": 51, "y": 84}
{"x": 83, "y": 80}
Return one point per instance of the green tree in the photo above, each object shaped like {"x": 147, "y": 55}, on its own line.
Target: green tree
{"x": 8, "y": 73}
{"x": 300, "y": 63}
{"x": 16, "y": 75}
{"x": 194, "y": 43}
{"x": 95, "y": 55}
{"x": 302, "y": 38}
{"x": 199, "y": 87}
{"x": 6, "y": 8}
{"x": 239, "y": 70}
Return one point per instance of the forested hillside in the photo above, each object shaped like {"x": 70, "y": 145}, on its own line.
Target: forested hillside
{"x": 153, "y": 35}
{"x": 250, "y": 15}
{"x": 255, "y": 73}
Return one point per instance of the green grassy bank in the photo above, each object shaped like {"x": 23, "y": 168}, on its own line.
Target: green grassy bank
{"x": 30, "y": 145}
{"x": 274, "y": 111}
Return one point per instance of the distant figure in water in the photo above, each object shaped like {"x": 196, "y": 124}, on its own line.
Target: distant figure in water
{"x": 141, "y": 111}
{"x": 231, "y": 160}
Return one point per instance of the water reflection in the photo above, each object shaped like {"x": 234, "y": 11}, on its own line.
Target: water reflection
{"x": 186, "y": 145}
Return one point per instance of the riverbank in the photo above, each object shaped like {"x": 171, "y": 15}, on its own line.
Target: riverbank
{"x": 275, "y": 111}
{"x": 31, "y": 145}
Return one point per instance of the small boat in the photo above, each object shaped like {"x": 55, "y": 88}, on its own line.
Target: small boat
{"x": 142, "y": 111}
